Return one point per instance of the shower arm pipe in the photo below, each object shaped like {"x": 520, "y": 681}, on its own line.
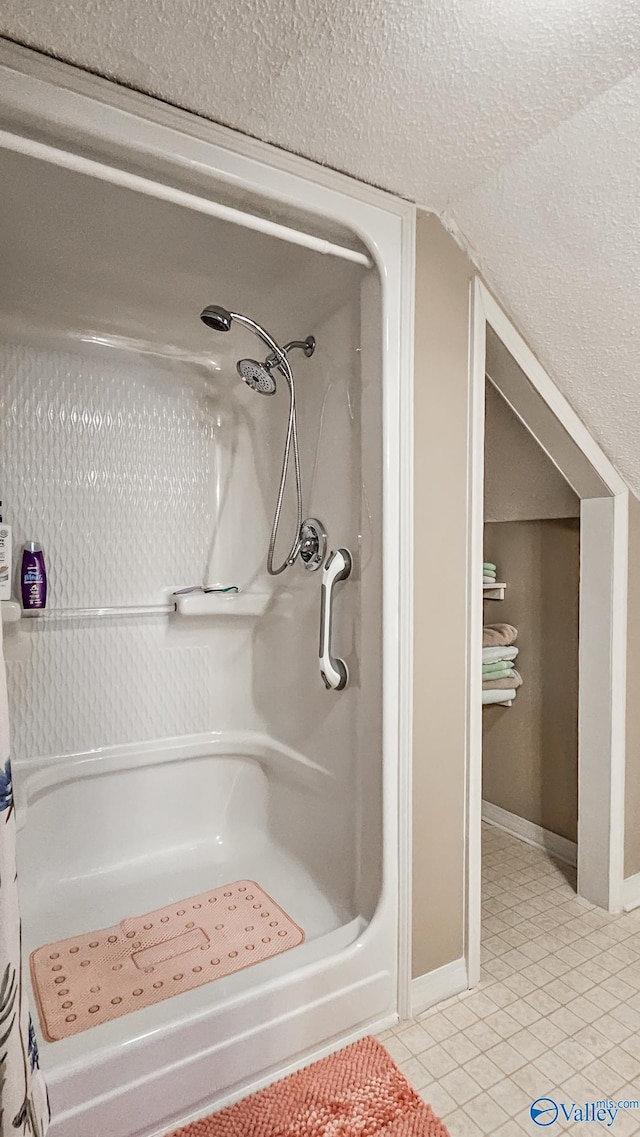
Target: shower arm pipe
{"x": 79, "y": 164}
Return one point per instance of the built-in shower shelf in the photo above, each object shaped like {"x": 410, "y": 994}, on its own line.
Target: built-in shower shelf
{"x": 203, "y": 604}
{"x": 493, "y": 591}
{"x": 222, "y": 603}
{"x": 45, "y": 615}
{"x": 11, "y": 611}
{"x": 193, "y": 604}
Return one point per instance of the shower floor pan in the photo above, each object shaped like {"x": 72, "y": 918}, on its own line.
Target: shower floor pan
{"x": 114, "y": 833}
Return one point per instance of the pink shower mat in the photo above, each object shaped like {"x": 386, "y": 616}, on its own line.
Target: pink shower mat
{"x": 93, "y": 978}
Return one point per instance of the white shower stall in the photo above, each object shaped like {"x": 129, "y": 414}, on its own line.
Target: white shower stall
{"x": 158, "y": 753}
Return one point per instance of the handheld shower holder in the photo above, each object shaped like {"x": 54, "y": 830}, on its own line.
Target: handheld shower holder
{"x": 313, "y": 544}
{"x": 308, "y": 346}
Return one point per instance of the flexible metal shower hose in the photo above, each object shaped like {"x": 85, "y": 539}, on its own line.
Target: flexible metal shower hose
{"x": 292, "y": 437}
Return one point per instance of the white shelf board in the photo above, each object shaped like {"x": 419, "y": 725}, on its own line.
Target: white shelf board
{"x": 494, "y": 591}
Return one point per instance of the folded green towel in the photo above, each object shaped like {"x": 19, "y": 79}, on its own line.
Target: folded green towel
{"x": 496, "y": 664}
{"x": 513, "y": 680}
{"x": 497, "y": 671}
{"x": 487, "y": 567}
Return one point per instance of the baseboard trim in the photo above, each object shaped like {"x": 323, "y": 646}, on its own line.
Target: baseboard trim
{"x": 631, "y": 892}
{"x": 532, "y": 834}
{"x": 435, "y": 986}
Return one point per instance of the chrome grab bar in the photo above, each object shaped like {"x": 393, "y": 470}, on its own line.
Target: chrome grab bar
{"x": 334, "y": 672}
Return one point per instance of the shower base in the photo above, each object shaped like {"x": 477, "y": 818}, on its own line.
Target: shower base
{"x": 133, "y": 829}
{"x": 100, "y": 899}
{"x": 105, "y": 1059}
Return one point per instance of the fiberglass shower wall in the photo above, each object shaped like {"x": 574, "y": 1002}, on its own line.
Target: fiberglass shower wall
{"x": 339, "y": 416}
{"x": 134, "y": 454}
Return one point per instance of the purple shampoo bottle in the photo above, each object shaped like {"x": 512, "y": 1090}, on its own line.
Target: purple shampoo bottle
{"x": 33, "y": 577}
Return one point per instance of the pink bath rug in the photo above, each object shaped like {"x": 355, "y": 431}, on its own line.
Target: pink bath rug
{"x": 358, "y": 1092}
{"x": 93, "y": 978}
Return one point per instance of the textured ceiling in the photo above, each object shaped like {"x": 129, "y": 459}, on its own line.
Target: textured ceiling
{"x": 423, "y": 98}
{"x": 516, "y": 120}
{"x": 557, "y": 234}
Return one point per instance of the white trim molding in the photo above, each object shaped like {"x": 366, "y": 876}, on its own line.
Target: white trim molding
{"x": 436, "y": 986}
{"x": 544, "y": 411}
{"x": 631, "y": 892}
{"x": 475, "y": 557}
{"x": 405, "y": 573}
{"x": 531, "y": 834}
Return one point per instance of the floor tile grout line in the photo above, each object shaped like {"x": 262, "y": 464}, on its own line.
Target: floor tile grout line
{"x": 441, "y": 1046}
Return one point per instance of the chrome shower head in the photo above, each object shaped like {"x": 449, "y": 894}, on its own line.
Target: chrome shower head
{"x": 216, "y": 317}
{"x": 257, "y": 376}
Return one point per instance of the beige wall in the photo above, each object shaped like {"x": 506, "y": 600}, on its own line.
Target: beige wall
{"x": 632, "y": 774}
{"x": 530, "y": 750}
{"x": 443, "y": 274}
{"x": 520, "y": 482}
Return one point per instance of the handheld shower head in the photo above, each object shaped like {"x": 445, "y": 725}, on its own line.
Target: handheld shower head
{"x": 216, "y": 317}
{"x": 257, "y": 376}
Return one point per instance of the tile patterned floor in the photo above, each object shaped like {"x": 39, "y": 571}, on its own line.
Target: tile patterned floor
{"x": 557, "y": 1012}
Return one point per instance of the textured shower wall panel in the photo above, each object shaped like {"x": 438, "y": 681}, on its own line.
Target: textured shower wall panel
{"x": 75, "y": 687}
{"x": 121, "y": 467}
{"x": 322, "y": 724}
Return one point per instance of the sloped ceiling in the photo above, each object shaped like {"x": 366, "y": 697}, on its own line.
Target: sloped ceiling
{"x": 516, "y": 120}
{"x": 557, "y": 234}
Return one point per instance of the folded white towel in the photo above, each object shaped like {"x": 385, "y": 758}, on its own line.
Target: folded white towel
{"x": 498, "y": 696}
{"x": 488, "y": 580}
{"x": 495, "y": 654}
